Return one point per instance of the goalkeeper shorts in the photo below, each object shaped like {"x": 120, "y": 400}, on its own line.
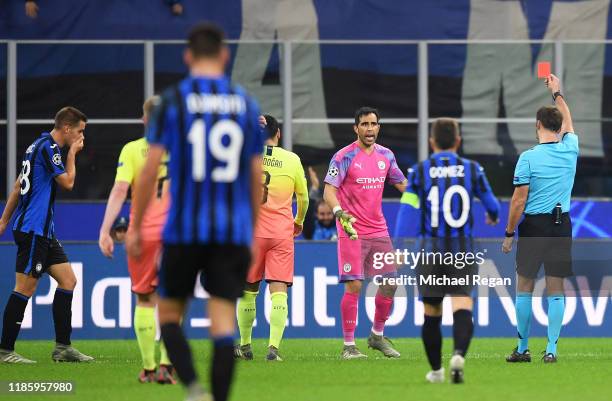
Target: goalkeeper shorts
{"x": 363, "y": 258}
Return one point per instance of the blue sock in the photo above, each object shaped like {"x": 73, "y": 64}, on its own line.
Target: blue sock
{"x": 523, "y": 319}
{"x": 556, "y": 309}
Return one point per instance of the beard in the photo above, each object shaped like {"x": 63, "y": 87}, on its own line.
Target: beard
{"x": 326, "y": 224}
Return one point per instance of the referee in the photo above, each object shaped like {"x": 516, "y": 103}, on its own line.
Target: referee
{"x": 543, "y": 180}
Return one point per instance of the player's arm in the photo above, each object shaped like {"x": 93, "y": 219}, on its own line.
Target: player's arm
{"x": 522, "y": 178}
{"x": 483, "y": 191}
{"x": 554, "y": 84}
{"x": 113, "y": 206}
{"x": 66, "y": 179}
{"x": 142, "y": 195}
{"x": 517, "y": 207}
{"x": 401, "y": 186}
{"x": 409, "y": 206}
{"x": 334, "y": 178}
{"x": 301, "y": 195}
{"x": 256, "y": 188}
{"x": 123, "y": 179}
{"x": 257, "y": 123}
{"x": 329, "y": 196}
{"x": 11, "y": 205}
{"x": 396, "y": 176}
{"x": 146, "y": 183}
{"x": 161, "y": 125}
{"x": 346, "y": 220}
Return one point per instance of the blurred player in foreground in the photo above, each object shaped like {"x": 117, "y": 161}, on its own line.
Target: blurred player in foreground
{"x": 353, "y": 189}
{"x": 211, "y": 131}
{"x": 283, "y": 175}
{"x": 443, "y": 188}
{"x": 543, "y": 180}
{"x": 38, "y": 251}
{"x": 143, "y": 270}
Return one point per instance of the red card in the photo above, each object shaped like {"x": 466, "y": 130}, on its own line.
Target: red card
{"x": 543, "y": 69}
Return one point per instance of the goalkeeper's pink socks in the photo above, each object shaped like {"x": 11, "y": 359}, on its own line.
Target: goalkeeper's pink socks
{"x": 383, "y": 310}
{"x": 348, "y": 310}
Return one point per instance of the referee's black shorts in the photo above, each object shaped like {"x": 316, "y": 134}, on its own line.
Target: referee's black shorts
{"x": 541, "y": 241}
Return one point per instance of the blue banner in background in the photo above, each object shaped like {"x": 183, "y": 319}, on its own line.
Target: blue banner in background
{"x": 590, "y": 218}
{"x": 142, "y": 19}
{"x": 103, "y": 303}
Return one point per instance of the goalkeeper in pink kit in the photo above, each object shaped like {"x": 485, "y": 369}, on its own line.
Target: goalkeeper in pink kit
{"x": 353, "y": 189}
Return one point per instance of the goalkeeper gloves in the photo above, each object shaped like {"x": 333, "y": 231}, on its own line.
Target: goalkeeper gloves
{"x": 346, "y": 221}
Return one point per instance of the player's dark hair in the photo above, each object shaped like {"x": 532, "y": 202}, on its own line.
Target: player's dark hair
{"x": 444, "y": 132}
{"x": 319, "y": 203}
{"x": 69, "y": 116}
{"x": 272, "y": 126}
{"x": 364, "y": 111}
{"x": 206, "y": 40}
{"x": 550, "y": 117}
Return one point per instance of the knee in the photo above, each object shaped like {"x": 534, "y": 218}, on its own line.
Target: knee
{"x": 388, "y": 290}
{"x": 433, "y": 310}
{"x": 462, "y": 303}
{"x": 525, "y": 284}
{"x": 169, "y": 312}
{"x": 68, "y": 283}
{"x": 146, "y": 300}
{"x": 354, "y": 287}
{"x": 252, "y": 287}
{"x": 168, "y": 316}
{"x": 25, "y": 285}
{"x": 26, "y": 289}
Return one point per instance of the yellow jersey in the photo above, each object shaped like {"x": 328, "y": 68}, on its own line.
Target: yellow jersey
{"x": 283, "y": 175}
{"x": 131, "y": 161}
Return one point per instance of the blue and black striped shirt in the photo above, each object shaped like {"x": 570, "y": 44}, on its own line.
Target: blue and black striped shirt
{"x": 210, "y": 129}
{"x": 41, "y": 163}
{"x": 443, "y": 188}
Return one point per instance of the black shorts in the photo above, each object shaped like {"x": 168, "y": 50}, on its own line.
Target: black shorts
{"x": 35, "y": 253}
{"x": 432, "y": 269}
{"x": 435, "y": 281}
{"x": 541, "y": 241}
{"x": 223, "y": 270}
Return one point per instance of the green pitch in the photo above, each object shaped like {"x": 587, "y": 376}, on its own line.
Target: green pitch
{"x": 312, "y": 370}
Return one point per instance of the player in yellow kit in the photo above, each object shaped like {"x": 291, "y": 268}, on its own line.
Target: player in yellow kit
{"x": 143, "y": 271}
{"x": 283, "y": 175}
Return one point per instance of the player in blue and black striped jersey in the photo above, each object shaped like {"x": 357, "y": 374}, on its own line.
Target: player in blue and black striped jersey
{"x": 38, "y": 251}
{"x": 442, "y": 189}
{"x": 211, "y": 131}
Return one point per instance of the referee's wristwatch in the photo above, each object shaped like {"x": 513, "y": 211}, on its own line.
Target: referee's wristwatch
{"x": 556, "y": 95}
{"x": 510, "y": 234}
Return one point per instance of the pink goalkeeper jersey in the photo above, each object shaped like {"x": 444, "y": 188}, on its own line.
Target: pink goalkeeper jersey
{"x": 360, "y": 179}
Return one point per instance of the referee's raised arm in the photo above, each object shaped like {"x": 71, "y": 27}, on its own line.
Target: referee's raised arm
{"x": 554, "y": 84}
